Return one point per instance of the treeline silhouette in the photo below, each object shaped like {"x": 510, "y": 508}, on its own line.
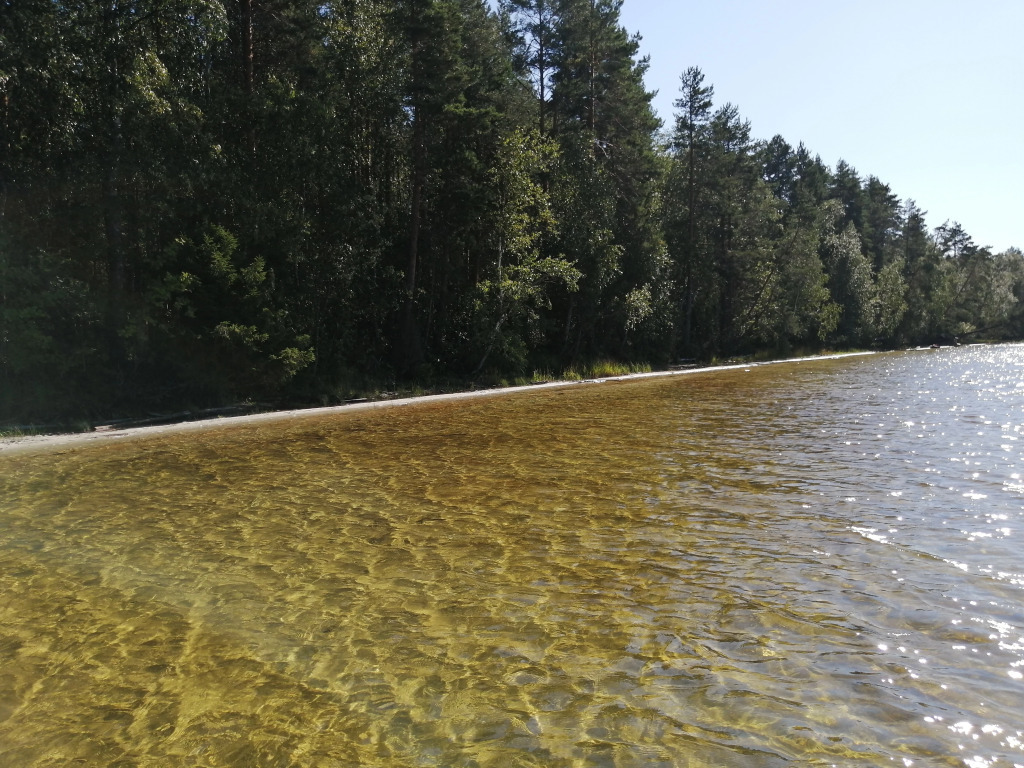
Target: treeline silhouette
{"x": 212, "y": 201}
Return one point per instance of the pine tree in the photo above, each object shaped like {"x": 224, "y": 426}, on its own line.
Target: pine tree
{"x": 922, "y": 272}
{"x": 689, "y": 182}
{"x": 533, "y": 26}
{"x": 604, "y": 188}
{"x": 880, "y": 222}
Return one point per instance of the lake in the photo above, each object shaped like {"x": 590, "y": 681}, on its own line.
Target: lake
{"x": 807, "y": 563}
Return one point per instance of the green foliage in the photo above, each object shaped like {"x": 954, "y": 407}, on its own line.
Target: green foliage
{"x": 203, "y": 202}
{"x": 851, "y": 280}
{"x": 50, "y": 337}
{"x": 508, "y": 300}
{"x": 891, "y": 303}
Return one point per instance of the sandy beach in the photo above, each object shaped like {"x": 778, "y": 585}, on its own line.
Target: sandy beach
{"x": 19, "y": 444}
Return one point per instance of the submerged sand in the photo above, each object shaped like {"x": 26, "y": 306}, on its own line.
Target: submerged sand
{"x": 43, "y": 442}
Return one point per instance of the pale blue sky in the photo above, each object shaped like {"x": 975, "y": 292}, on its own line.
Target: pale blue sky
{"x": 927, "y": 95}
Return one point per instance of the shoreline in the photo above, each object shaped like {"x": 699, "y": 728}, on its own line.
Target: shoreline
{"x": 42, "y": 443}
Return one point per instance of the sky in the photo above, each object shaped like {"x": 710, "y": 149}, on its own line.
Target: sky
{"x": 927, "y": 95}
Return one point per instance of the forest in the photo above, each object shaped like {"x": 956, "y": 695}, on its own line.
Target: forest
{"x": 206, "y": 202}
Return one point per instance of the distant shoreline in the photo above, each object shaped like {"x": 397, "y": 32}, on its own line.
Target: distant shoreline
{"x": 40, "y": 443}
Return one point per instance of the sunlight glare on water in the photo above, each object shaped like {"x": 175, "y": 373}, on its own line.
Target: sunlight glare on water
{"x": 814, "y": 563}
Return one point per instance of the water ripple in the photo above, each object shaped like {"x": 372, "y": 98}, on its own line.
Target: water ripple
{"x": 802, "y": 564}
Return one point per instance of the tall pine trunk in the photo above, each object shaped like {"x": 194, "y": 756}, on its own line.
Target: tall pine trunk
{"x": 412, "y": 349}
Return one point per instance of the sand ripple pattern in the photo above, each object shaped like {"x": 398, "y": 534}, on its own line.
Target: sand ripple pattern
{"x": 813, "y": 564}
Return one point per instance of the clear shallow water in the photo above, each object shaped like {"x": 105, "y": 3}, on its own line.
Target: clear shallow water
{"x": 815, "y": 563}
